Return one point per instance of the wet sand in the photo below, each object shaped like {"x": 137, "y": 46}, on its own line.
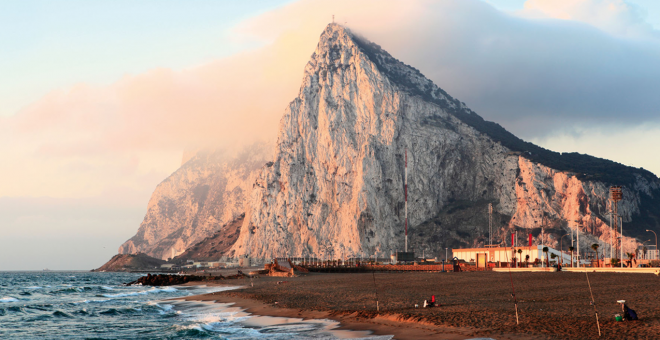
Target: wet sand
{"x": 477, "y": 304}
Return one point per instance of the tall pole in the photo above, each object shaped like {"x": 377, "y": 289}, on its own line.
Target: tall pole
{"x": 577, "y": 232}
{"x": 656, "y": 239}
{"x": 611, "y": 233}
{"x": 621, "y": 226}
{"x": 405, "y": 190}
{"x": 490, "y": 223}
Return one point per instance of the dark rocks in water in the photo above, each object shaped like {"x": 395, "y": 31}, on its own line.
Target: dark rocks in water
{"x": 171, "y": 280}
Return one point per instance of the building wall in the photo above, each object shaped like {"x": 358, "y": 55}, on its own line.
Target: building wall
{"x": 505, "y": 254}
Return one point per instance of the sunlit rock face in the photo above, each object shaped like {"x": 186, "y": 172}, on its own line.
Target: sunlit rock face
{"x": 335, "y": 183}
{"x": 336, "y": 187}
{"x": 201, "y": 197}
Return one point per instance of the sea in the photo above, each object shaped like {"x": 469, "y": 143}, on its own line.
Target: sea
{"x": 87, "y": 305}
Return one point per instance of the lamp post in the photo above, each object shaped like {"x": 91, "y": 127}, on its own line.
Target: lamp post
{"x": 656, "y": 239}
{"x": 446, "y": 254}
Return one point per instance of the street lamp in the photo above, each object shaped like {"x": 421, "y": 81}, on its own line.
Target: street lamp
{"x": 656, "y": 242}
{"x": 577, "y": 236}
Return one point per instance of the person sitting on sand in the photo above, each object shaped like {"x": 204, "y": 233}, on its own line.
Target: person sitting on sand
{"x": 431, "y": 303}
{"x": 628, "y": 314}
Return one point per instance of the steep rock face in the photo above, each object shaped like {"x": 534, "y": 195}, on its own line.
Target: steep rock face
{"x": 336, "y": 184}
{"x": 201, "y": 197}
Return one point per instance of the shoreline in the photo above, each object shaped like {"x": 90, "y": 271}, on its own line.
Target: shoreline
{"x": 472, "y": 304}
{"x": 380, "y": 325}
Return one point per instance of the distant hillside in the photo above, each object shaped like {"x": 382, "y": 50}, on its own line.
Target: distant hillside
{"x": 129, "y": 262}
{"x": 214, "y": 246}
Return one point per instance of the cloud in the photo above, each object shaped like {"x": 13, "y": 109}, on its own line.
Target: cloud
{"x": 617, "y": 17}
{"x": 535, "y": 77}
{"x": 584, "y": 83}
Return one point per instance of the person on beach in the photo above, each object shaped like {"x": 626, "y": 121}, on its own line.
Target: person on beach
{"x": 628, "y": 314}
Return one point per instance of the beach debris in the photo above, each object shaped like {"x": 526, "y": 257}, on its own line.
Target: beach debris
{"x": 416, "y": 306}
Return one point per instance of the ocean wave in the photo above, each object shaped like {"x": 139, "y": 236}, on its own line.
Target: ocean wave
{"x": 118, "y": 311}
{"x": 33, "y": 287}
{"x": 7, "y": 299}
{"x": 69, "y": 290}
{"x": 107, "y": 288}
{"x": 60, "y": 314}
{"x": 41, "y": 317}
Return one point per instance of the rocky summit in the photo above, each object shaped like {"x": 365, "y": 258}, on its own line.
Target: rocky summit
{"x": 335, "y": 183}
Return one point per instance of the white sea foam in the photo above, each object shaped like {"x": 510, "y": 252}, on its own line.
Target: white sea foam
{"x": 125, "y": 294}
{"x": 107, "y": 288}
{"x": 153, "y": 290}
{"x": 33, "y": 287}
{"x": 8, "y": 299}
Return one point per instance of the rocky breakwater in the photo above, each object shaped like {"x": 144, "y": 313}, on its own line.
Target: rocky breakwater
{"x": 171, "y": 280}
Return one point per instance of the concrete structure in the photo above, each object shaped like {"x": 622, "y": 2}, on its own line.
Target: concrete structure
{"x": 481, "y": 256}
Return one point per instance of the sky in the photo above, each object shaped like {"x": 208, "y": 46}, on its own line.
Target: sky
{"x": 98, "y": 100}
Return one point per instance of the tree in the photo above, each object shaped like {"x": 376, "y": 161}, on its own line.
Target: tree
{"x": 527, "y": 260}
{"x": 614, "y": 262}
{"x": 595, "y": 248}
{"x": 631, "y": 256}
{"x": 519, "y": 251}
{"x": 644, "y": 250}
{"x": 553, "y": 256}
{"x": 545, "y": 250}
{"x": 571, "y": 249}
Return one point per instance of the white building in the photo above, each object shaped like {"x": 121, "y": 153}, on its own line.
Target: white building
{"x": 481, "y": 256}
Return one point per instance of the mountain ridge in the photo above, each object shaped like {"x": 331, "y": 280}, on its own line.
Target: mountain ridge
{"x": 622, "y": 174}
{"x": 335, "y": 182}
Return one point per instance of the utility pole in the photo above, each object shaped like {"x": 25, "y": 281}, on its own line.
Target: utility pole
{"x": 577, "y": 231}
{"x": 611, "y": 233}
{"x": 621, "y": 224}
{"x": 405, "y": 189}
{"x": 616, "y": 195}
{"x": 490, "y": 223}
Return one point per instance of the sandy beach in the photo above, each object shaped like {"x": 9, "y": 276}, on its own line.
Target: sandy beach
{"x": 477, "y": 304}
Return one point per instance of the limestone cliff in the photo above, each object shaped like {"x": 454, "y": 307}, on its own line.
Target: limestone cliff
{"x": 334, "y": 185}
{"x": 200, "y": 198}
